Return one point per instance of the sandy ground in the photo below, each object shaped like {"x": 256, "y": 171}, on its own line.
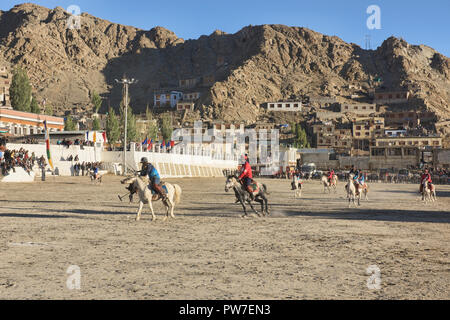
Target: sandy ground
{"x": 312, "y": 248}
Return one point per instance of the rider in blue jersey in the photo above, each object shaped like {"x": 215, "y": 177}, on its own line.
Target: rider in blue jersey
{"x": 149, "y": 170}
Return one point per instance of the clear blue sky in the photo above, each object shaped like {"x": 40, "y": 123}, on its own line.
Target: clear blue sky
{"x": 416, "y": 21}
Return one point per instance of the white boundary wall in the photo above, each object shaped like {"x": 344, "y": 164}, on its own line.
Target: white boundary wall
{"x": 168, "y": 165}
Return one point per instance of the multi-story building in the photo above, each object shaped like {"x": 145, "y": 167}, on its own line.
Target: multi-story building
{"x": 360, "y": 109}
{"x": 368, "y": 127}
{"x": 167, "y": 99}
{"x": 391, "y": 96}
{"x": 365, "y": 130}
{"x": 409, "y": 118}
{"x": 330, "y": 136}
{"x": 285, "y": 106}
{"x": 402, "y": 152}
{"x": 419, "y": 142}
{"x": 25, "y": 123}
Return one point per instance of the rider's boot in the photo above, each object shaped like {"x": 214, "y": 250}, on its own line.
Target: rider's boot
{"x": 161, "y": 193}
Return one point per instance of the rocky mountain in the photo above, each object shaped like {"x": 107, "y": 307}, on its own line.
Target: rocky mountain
{"x": 253, "y": 66}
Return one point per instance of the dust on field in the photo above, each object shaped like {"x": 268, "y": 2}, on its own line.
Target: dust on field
{"x": 309, "y": 248}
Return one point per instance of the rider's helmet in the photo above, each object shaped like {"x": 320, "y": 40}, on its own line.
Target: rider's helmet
{"x": 144, "y": 160}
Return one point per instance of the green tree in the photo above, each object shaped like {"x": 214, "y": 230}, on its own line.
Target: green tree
{"x": 34, "y": 107}
{"x": 112, "y": 127}
{"x": 96, "y": 124}
{"x": 96, "y": 101}
{"x": 132, "y": 133}
{"x": 152, "y": 128}
{"x": 48, "y": 110}
{"x": 301, "y": 138}
{"x": 69, "y": 125}
{"x": 166, "y": 127}
{"x": 20, "y": 91}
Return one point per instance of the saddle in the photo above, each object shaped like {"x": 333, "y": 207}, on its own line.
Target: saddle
{"x": 155, "y": 194}
{"x": 252, "y": 187}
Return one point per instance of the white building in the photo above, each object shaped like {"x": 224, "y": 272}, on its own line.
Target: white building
{"x": 171, "y": 99}
{"x": 295, "y": 106}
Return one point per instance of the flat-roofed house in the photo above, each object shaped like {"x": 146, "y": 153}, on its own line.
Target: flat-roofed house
{"x": 388, "y": 97}
{"x": 165, "y": 99}
{"x": 361, "y": 109}
{"x": 22, "y": 123}
{"x": 295, "y": 106}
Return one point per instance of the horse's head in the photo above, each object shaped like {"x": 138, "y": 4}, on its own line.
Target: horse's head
{"x": 129, "y": 180}
{"x": 230, "y": 183}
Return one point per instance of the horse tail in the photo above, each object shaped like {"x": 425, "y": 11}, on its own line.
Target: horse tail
{"x": 177, "y": 196}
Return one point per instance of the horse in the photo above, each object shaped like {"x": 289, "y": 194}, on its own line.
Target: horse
{"x": 297, "y": 186}
{"x": 146, "y": 196}
{"x": 352, "y": 194}
{"x": 243, "y": 196}
{"x": 95, "y": 179}
{"x": 328, "y": 185}
{"x": 428, "y": 191}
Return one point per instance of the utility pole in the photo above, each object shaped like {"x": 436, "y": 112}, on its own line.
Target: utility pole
{"x": 126, "y": 82}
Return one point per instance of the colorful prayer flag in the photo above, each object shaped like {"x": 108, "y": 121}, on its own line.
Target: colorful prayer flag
{"x": 47, "y": 142}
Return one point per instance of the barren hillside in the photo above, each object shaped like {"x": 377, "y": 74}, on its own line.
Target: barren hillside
{"x": 250, "y": 67}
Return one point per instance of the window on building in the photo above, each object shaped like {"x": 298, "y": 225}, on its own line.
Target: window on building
{"x": 358, "y": 134}
{"x": 367, "y": 134}
{"x": 395, "y": 152}
{"x": 280, "y": 106}
{"x": 358, "y": 127}
{"x": 376, "y": 152}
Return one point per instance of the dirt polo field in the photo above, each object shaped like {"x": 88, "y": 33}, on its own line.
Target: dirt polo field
{"x": 66, "y": 233}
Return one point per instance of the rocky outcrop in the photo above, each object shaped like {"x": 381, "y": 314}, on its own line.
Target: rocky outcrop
{"x": 253, "y": 66}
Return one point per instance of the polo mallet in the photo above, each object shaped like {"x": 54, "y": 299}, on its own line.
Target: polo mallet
{"x": 121, "y": 197}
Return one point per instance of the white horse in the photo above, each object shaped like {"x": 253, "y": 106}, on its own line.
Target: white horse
{"x": 297, "y": 186}
{"x": 146, "y": 196}
{"x": 352, "y": 195}
{"x": 428, "y": 194}
{"x": 328, "y": 185}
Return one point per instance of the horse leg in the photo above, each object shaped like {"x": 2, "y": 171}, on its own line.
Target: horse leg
{"x": 151, "y": 209}
{"x": 141, "y": 206}
{"x": 243, "y": 206}
{"x": 261, "y": 202}
{"x": 266, "y": 202}
{"x": 172, "y": 207}
{"x": 249, "y": 201}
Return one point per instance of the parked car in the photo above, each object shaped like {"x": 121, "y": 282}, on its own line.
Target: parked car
{"x": 308, "y": 170}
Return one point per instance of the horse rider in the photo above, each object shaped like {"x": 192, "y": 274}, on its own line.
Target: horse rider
{"x": 296, "y": 179}
{"x": 96, "y": 174}
{"x": 246, "y": 176}
{"x": 149, "y": 170}
{"x": 426, "y": 176}
{"x": 330, "y": 176}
